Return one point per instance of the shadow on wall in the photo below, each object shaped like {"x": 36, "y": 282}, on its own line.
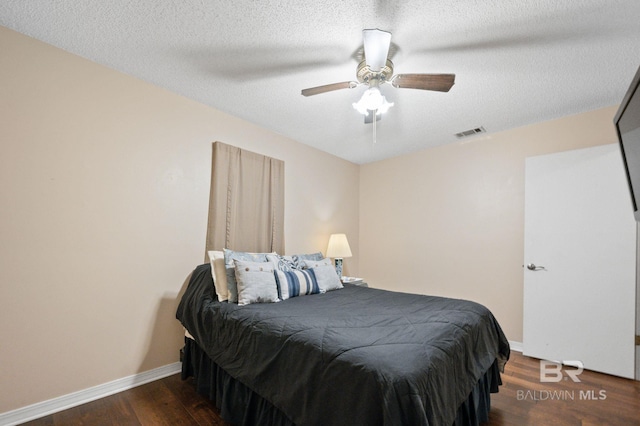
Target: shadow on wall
{"x": 167, "y": 336}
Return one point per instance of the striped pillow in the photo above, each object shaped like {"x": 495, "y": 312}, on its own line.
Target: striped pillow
{"x": 296, "y": 283}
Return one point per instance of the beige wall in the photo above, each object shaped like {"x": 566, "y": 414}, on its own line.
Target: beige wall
{"x": 450, "y": 220}
{"x": 104, "y": 182}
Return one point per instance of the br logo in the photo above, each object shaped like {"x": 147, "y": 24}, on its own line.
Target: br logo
{"x": 554, "y": 371}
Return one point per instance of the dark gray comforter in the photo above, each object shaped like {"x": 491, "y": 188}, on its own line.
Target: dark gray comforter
{"x": 357, "y": 356}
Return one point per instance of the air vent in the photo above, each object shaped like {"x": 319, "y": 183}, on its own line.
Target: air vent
{"x": 471, "y": 132}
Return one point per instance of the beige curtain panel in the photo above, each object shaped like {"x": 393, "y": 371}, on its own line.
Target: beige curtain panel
{"x": 246, "y": 203}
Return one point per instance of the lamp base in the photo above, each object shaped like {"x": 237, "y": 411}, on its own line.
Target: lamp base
{"x": 338, "y": 262}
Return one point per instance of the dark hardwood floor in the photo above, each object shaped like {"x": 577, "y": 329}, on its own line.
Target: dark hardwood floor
{"x": 597, "y": 399}
{"x": 169, "y": 401}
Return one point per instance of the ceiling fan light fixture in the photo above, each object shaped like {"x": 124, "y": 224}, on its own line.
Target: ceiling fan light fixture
{"x": 384, "y": 107}
{"x": 376, "y": 69}
{"x": 372, "y": 100}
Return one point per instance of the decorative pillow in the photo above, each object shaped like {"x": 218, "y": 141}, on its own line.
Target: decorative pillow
{"x": 308, "y": 264}
{"x": 299, "y": 258}
{"x": 327, "y": 277}
{"x": 282, "y": 263}
{"x": 219, "y": 274}
{"x": 229, "y": 257}
{"x": 296, "y": 283}
{"x": 256, "y": 282}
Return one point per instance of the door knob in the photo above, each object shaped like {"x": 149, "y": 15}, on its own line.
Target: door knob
{"x": 533, "y": 267}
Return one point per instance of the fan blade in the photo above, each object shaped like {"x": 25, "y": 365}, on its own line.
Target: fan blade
{"x": 329, "y": 88}
{"x": 439, "y": 82}
{"x": 376, "y": 48}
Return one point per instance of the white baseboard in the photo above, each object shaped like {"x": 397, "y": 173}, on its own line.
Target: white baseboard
{"x": 44, "y": 408}
{"x": 515, "y": 346}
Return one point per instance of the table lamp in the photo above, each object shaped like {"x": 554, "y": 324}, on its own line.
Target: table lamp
{"x": 338, "y": 249}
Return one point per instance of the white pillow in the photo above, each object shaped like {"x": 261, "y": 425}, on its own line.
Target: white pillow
{"x": 256, "y": 282}
{"x": 219, "y": 273}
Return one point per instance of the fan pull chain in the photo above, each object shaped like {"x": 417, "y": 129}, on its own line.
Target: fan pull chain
{"x": 374, "y": 112}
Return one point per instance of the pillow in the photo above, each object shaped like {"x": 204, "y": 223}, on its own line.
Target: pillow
{"x": 296, "y": 283}
{"x": 229, "y": 257}
{"x": 219, "y": 274}
{"x": 256, "y": 282}
{"x": 298, "y": 259}
{"x": 325, "y": 275}
{"x": 282, "y": 263}
{"x": 308, "y": 264}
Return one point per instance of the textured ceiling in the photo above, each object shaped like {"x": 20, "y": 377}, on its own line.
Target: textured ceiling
{"x": 516, "y": 62}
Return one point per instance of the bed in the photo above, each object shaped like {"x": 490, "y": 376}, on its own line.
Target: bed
{"x": 355, "y": 356}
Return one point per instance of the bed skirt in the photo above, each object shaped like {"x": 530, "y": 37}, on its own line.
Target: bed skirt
{"x": 239, "y": 405}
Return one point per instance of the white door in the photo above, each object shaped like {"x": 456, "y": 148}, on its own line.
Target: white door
{"x": 579, "y": 303}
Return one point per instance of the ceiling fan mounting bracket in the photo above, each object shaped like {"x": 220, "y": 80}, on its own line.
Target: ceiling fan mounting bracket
{"x": 365, "y": 74}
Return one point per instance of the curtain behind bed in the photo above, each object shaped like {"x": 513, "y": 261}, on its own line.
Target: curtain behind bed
{"x": 246, "y": 202}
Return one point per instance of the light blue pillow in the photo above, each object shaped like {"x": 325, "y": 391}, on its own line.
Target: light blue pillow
{"x": 296, "y": 283}
{"x": 229, "y": 257}
{"x": 298, "y": 259}
{"x": 256, "y": 282}
{"x": 308, "y": 264}
{"x": 325, "y": 274}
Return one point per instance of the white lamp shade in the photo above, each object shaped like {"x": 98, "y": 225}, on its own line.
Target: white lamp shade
{"x": 338, "y": 246}
{"x": 376, "y": 48}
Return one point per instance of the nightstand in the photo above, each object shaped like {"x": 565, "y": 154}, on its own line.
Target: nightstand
{"x": 354, "y": 281}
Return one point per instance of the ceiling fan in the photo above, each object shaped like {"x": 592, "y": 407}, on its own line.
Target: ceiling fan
{"x": 375, "y": 70}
